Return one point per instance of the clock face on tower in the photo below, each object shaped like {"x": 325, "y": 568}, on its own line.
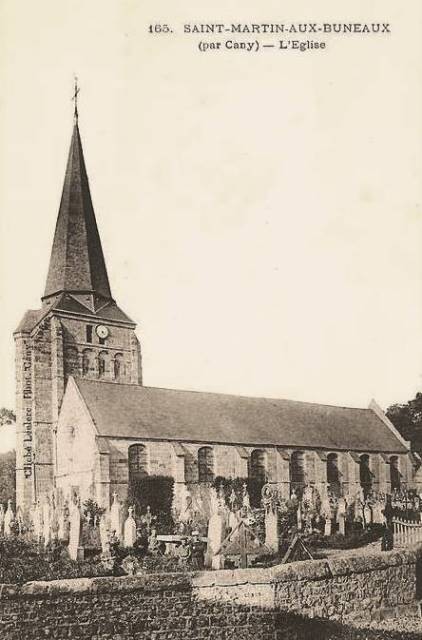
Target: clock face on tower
{"x": 101, "y": 331}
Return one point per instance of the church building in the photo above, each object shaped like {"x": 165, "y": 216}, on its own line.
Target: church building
{"x": 87, "y": 425}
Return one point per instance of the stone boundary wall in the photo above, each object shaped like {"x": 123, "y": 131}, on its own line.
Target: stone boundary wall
{"x": 244, "y": 604}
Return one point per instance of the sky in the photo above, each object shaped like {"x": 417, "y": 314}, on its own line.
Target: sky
{"x": 260, "y": 213}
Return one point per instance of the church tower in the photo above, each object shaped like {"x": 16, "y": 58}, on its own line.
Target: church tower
{"x": 78, "y": 331}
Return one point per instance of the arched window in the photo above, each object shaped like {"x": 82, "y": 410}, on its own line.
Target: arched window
{"x": 205, "y": 464}
{"x": 258, "y": 465}
{"x": 71, "y": 361}
{"x": 118, "y": 366}
{"x": 365, "y": 474}
{"x": 102, "y": 363}
{"x": 333, "y": 474}
{"x": 86, "y": 361}
{"x": 138, "y": 461}
{"x": 297, "y": 471}
{"x": 395, "y": 476}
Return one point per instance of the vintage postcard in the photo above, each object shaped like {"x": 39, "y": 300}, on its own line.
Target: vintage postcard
{"x": 211, "y": 347}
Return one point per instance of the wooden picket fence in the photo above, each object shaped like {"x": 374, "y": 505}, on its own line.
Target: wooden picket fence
{"x": 406, "y": 532}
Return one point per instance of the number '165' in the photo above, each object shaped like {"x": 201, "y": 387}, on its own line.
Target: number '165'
{"x": 159, "y": 28}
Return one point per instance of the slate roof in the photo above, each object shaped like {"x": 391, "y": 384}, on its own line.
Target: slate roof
{"x": 30, "y": 320}
{"x": 133, "y": 411}
{"x": 77, "y": 261}
{"x": 68, "y": 304}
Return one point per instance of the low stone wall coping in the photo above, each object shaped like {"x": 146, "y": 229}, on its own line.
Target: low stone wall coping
{"x": 345, "y": 565}
{"x": 302, "y": 570}
{"x": 308, "y": 570}
{"x": 148, "y": 583}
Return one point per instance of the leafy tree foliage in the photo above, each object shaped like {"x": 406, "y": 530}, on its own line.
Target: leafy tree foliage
{"x": 6, "y": 416}
{"x": 7, "y": 476}
{"x": 235, "y": 485}
{"x": 157, "y": 493}
{"x": 407, "y": 418}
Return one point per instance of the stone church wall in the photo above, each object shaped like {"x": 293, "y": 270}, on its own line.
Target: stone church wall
{"x": 35, "y": 413}
{"x": 99, "y": 466}
{"x": 119, "y": 342}
{"x": 313, "y": 599}
{"x": 103, "y": 466}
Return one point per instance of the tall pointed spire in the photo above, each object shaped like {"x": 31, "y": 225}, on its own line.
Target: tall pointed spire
{"x": 77, "y": 263}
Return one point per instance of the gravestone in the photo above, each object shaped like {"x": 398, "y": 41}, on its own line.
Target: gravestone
{"x": 104, "y": 535}
{"x": 378, "y": 512}
{"x": 367, "y": 514}
{"x": 129, "y": 534}
{"x": 115, "y": 517}
{"x": 215, "y": 536}
{"x": 233, "y": 520}
{"x": 299, "y": 517}
{"x": 20, "y": 520}
{"x": 271, "y": 529}
{"x": 246, "y": 502}
{"x": 341, "y": 516}
{"x": 63, "y": 521}
{"x": 37, "y": 521}
{"x": 326, "y": 513}
{"x": 8, "y": 519}
{"x": 46, "y": 514}
{"x": 76, "y": 552}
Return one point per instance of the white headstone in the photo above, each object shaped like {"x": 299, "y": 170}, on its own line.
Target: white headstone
{"x": 62, "y": 518}
{"x": 233, "y": 520}
{"x": 326, "y": 514}
{"x": 8, "y": 519}
{"x": 37, "y": 521}
{"x": 367, "y": 514}
{"x": 46, "y": 515}
{"x": 104, "y": 534}
{"x": 213, "y": 501}
{"x": 299, "y": 516}
{"x": 215, "y": 536}
{"x": 115, "y": 517}
{"x": 20, "y": 520}
{"x": 271, "y": 529}
{"x": 129, "y": 536}
{"x": 327, "y": 526}
{"x": 341, "y": 515}
{"x": 378, "y": 512}
{"x": 75, "y": 531}
{"x": 246, "y": 500}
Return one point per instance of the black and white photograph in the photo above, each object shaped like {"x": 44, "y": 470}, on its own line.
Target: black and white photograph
{"x": 211, "y": 320}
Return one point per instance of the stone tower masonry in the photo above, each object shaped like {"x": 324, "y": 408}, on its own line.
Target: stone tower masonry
{"x": 78, "y": 331}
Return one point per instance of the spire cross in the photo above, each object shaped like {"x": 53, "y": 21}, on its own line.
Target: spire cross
{"x": 75, "y": 99}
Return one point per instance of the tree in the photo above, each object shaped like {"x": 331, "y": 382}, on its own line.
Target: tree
{"x": 7, "y": 476}
{"x": 6, "y": 416}
{"x": 7, "y": 462}
{"x": 407, "y": 418}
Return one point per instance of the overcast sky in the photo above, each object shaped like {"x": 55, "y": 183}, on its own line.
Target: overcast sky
{"x": 260, "y": 214}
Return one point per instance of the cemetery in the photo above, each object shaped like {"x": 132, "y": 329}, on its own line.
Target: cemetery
{"x": 277, "y": 569}
{"x": 66, "y": 538}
